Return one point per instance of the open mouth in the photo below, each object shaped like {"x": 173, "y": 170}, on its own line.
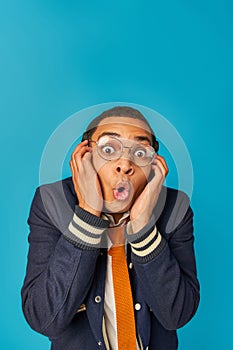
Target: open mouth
{"x": 121, "y": 191}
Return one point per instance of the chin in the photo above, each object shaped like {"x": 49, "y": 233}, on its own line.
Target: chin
{"x": 117, "y": 206}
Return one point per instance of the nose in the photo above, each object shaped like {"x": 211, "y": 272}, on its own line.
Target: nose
{"x": 124, "y": 166}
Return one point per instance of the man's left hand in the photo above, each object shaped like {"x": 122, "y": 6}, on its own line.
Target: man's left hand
{"x": 141, "y": 210}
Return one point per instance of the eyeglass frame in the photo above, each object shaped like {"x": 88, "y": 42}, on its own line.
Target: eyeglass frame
{"x": 122, "y": 150}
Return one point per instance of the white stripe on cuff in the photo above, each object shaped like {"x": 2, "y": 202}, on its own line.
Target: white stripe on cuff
{"x": 83, "y": 237}
{"x": 146, "y": 240}
{"x": 150, "y": 249}
{"x": 86, "y": 226}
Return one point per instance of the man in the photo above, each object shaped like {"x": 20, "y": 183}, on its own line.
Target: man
{"x": 111, "y": 263}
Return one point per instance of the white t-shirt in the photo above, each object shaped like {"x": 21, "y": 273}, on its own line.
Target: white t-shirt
{"x": 109, "y": 301}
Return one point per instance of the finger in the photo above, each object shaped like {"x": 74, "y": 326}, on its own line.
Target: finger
{"x": 75, "y": 180}
{"x": 73, "y": 169}
{"x": 78, "y": 154}
{"x": 159, "y": 165}
{"x": 159, "y": 171}
{"x": 162, "y": 161}
{"x": 87, "y": 157}
{"x": 87, "y": 164}
{"x": 80, "y": 145}
{"x": 74, "y": 173}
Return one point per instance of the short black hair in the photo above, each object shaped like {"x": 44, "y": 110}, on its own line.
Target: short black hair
{"x": 119, "y": 111}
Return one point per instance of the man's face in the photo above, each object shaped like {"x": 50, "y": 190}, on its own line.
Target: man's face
{"x": 121, "y": 179}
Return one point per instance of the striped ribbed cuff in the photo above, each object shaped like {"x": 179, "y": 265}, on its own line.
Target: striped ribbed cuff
{"x": 145, "y": 246}
{"x": 85, "y": 230}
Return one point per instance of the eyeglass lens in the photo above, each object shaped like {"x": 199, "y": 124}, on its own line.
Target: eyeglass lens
{"x": 112, "y": 149}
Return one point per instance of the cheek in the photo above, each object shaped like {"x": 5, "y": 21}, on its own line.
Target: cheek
{"x": 143, "y": 174}
{"x": 104, "y": 176}
{"x": 141, "y": 179}
{"x": 104, "y": 172}
{"x": 105, "y": 181}
{"x": 98, "y": 163}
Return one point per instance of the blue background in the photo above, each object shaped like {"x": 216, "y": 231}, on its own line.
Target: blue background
{"x": 58, "y": 57}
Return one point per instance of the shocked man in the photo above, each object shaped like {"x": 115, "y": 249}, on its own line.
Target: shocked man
{"x": 111, "y": 262}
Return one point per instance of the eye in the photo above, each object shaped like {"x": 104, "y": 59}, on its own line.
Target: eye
{"x": 108, "y": 149}
{"x": 140, "y": 152}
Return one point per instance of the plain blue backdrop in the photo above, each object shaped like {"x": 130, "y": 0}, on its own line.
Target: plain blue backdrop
{"x": 58, "y": 57}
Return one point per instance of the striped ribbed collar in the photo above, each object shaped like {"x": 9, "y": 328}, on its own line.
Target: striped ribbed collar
{"x": 121, "y": 222}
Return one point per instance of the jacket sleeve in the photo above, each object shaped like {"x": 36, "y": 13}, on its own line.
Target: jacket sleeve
{"x": 166, "y": 270}
{"x": 60, "y": 268}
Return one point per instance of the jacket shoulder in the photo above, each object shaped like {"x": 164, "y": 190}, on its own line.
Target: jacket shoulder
{"x": 173, "y": 205}
{"x": 55, "y": 202}
{"x": 62, "y": 189}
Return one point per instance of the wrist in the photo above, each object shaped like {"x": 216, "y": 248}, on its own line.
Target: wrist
{"x": 138, "y": 224}
{"x": 89, "y": 209}
{"x": 85, "y": 229}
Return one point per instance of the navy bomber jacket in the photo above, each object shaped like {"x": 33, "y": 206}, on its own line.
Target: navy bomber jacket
{"x": 63, "y": 291}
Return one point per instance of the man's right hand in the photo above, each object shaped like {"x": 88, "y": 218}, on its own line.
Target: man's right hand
{"x": 85, "y": 179}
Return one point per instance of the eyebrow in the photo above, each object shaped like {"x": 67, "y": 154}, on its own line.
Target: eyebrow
{"x": 108, "y": 133}
{"x": 139, "y": 138}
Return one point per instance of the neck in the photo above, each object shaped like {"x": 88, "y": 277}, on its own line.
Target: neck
{"x": 116, "y": 234}
{"x": 117, "y": 216}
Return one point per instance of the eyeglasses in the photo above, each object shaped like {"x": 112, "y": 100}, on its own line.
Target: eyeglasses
{"x": 111, "y": 148}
